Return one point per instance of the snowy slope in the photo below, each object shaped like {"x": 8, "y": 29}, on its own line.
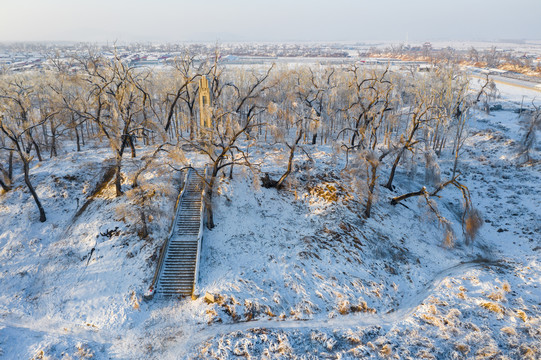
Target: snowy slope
{"x": 295, "y": 274}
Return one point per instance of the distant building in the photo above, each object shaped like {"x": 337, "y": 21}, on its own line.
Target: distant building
{"x": 425, "y": 68}
{"x": 204, "y": 104}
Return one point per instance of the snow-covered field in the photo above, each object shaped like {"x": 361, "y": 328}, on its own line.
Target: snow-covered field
{"x": 294, "y": 274}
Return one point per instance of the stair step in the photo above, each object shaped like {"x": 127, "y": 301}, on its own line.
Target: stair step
{"x": 184, "y": 288}
{"x": 184, "y": 291}
{"x": 167, "y": 294}
{"x": 177, "y": 290}
{"x": 181, "y": 260}
{"x": 178, "y": 273}
{"x": 180, "y": 269}
{"x": 176, "y": 267}
{"x": 184, "y": 265}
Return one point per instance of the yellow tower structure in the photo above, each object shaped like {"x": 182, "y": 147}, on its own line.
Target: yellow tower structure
{"x": 204, "y": 104}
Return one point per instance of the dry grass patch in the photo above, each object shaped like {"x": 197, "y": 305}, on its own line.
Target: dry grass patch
{"x": 528, "y": 353}
{"x": 496, "y": 296}
{"x": 462, "y": 348}
{"x": 488, "y": 351}
{"x": 386, "y": 350}
{"x": 508, "y": 330}
{"x": 492, "y": 307}
{"x": 432, "y": 320}
{"x": 329, "y": 192}
{"x": 521, "y": 315}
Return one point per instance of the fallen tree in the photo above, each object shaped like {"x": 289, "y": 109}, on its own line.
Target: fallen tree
{"x": 471, "y": 220}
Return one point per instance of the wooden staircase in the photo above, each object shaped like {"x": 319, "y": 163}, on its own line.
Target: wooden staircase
{"x": 177, "y": 273}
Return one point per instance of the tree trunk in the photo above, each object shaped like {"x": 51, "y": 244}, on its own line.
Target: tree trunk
{"x": 10, "y": 166}
{"x": 26, "y": 168}
{"x": 208, "y": 197}
{"x": 368, "y": 209}
{"x": 398, "y": 199}
{"x": 44, "y": 130}
{"x": 290, "y": 162}
{"x": 77, "y": 139}
{"x": 192, "y": 125}
{"x": 118, "y": 177}
{"x": 53, "y": 143}
{"x": 83, "y": 134}
{"x": 132, "y": 146}
{"x": 389, "y": 184}
{"x": 144, "y": 228}
{"x": 4, "y": 186}
{"x": 38, "y": 152}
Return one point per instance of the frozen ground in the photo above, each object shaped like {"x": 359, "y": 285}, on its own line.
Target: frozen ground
{"x": 294, "y": 274}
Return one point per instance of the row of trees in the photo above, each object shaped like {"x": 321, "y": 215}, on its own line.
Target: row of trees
{"x": 375, "y": 116}
{"x": 489, "y": 57}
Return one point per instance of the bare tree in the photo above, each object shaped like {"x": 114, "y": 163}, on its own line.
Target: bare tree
{"x": 234, "y": 109}
{"x": 530, "y": 131}
{"x": 16, "y": 134}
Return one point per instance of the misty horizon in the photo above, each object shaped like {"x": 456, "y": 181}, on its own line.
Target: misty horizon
{"x": 243, "y": 21}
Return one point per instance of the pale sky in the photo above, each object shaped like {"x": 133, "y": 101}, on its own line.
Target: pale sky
{"x": 268, "y": 20}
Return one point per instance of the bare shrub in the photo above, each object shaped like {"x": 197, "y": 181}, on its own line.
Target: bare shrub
{"x": 432, "y": 169}
{"x": 472, "y": 224}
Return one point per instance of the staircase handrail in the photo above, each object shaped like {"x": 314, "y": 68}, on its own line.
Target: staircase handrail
{"x": 195, "y": 292}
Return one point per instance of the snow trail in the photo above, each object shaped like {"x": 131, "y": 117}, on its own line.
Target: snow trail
{"x": 197, "y": 334}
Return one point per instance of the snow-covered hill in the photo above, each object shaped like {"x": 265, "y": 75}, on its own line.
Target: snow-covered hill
{"x": 297, "y": 273}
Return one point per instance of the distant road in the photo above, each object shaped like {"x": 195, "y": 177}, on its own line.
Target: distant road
{"x": 510, "y": 81}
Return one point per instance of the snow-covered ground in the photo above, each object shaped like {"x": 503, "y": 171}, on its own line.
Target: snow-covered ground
{"x": 294, "y": 274}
